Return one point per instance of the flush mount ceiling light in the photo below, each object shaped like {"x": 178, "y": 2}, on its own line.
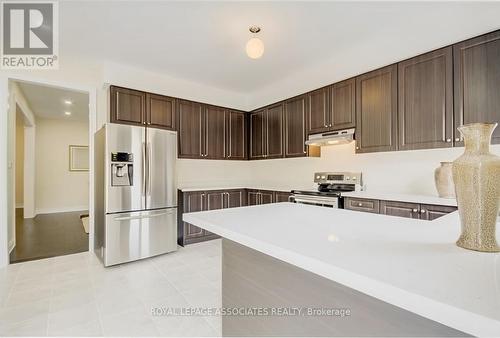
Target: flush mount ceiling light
{"x": 67, "y": 113}
{"x": 68, "y": 102}
{"x": 255, "y": 46}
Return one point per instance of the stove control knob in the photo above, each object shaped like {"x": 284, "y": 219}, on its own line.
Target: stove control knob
{"x": 354, "y": 178}
{"x": 323, "y": 177}
{"x": 318, "y": 177}
{"x": 347, "y": 178}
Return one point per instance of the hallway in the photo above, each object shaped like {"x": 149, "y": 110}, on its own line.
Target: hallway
{"x": 48, "y": 235}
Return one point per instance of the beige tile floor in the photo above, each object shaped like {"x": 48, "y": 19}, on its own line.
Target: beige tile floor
{"x": 75, "y": 295}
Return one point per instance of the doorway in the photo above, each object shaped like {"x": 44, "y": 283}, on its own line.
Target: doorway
{"x": 52, "y": 180}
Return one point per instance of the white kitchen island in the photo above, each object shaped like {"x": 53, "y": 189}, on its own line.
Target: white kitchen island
{"x": 413, "y": 265}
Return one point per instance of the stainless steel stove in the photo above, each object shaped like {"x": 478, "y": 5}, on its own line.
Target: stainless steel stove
{"x": 331, "y": 185}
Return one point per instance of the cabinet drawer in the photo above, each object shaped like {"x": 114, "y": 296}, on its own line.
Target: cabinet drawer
{"x": 360, "y": 204}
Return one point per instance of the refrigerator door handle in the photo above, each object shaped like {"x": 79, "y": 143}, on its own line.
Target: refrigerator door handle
{"x": 143, "y": 190}
{"x": 149, "y": 156}
{"x": 126, "y": 218}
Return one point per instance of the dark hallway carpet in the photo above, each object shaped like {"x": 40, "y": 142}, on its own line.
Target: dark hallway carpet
{"x": 48, "y": 235}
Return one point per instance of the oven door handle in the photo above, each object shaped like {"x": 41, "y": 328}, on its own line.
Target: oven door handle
{"x": 325, "y": 201}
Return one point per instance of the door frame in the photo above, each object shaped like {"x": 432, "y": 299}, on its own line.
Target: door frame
{"x": 4, "y": 108}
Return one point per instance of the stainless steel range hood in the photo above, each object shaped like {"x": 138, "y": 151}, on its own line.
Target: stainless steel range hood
{"x": 331, "y": 138}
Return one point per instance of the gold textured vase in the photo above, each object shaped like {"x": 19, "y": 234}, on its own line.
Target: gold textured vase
{"x": 476, "y": 175}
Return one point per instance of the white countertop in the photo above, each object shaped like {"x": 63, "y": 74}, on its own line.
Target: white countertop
{"x": 410, "y": 198}
{"x": 413, "y": 264}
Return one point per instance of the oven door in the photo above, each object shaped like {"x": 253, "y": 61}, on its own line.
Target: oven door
{"x": 332, "y": 202}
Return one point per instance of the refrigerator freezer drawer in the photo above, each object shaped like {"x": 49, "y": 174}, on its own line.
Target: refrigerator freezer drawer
{"x": 137, "y": 235}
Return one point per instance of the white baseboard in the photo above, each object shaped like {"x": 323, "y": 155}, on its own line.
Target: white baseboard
{"x": 64, "y": 209}
{"x": 12, "y": 245}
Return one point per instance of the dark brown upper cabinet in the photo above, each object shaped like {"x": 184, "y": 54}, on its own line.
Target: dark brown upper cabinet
{"x": 236, "y": 135}
{"x": 425, "y": 105}
{"x": 266, "y": 133}
{"x": 191, "y": 117}
{"x": 342, "y": 105}
{"x": 210, "y": 132}
{"x": 160, "y": 111}
{"x": 295, "y": 127}
{"x": 127, "y": 106}
{"x": 215, "y": 132}
{"x": 477, "y": 82}
{"x": 274, "y": 131}
{"x": 257, "y": 134}
{"x": 318, "y": 115}
{"x": 376, "y": 110}
{"x": 332, "y": 107}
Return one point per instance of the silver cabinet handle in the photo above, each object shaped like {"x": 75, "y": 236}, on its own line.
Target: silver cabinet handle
{"x": 415, "y": 210}
{"x": 448, "y": 140}
{"x": 457, "y": 139}
{"x": 423, "y": 211}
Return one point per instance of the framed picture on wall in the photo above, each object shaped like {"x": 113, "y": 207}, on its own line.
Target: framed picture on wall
{"x": 78, "y": 158}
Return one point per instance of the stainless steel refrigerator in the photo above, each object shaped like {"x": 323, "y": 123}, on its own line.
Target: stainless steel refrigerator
{"x": 135, "y": 193}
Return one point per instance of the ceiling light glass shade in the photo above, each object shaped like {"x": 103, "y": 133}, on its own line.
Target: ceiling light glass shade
{"x": 255, "y": 48}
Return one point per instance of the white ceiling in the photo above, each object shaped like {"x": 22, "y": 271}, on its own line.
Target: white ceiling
{"x": 205, "y": 41}
{"x": 48, "y": 102}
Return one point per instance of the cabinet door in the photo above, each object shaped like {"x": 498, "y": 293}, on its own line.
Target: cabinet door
{"x": 127, "y": 106}
{"x": 376, "y": 110}
{"x": 160, "y": 111}
{"x": 318, "y": 113}
{"x": 257, "y": 134}
{"x": 295, "y": 127}
{"x": 193, "y": 201}
{"x": 343, "y": 105}
{"x": 266, "y": 197}
{"x": 215, "y": 133}
{"x": 281, "y": 196}
{"x": 253, "y": 197}
{"x": 191, "y": 130}
{"x": 431, "y": 212}
{"x": 215, "y": 200}
{"x": 236, "y": 136}
{"x": 235, "y": 198}
{"x": 425, "y": 106}
{"x": 401, "y": 209}
{"x": 361, "y": 204}
{"x": 274, "y": 131}
{"x": 477, "y": 82}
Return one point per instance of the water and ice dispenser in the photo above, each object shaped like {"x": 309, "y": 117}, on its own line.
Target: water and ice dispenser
{"x": 122, "y": 169}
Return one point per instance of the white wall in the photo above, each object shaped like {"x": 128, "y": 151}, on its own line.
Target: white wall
{"x": 402, "y": 172}
{"x": 57, "y": 188}
{"x": 210, "y": 173}
{"x": 19, "y": 160}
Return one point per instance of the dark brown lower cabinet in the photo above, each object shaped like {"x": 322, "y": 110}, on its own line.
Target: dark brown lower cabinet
{"x": 431, "y": 212}
{"x": 190, "y": 202}
{"x": 414, "y": 210}
{"x": 258, "y": 197}
{"x": 361, "y": 204}
{"x": 200, "y": 201}
{"x": 395, "y": 208}
{"x": 281, "y": 196}
{"x": 400, "y": 209}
